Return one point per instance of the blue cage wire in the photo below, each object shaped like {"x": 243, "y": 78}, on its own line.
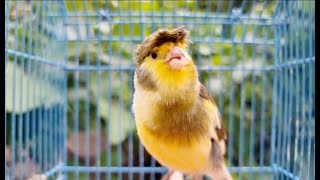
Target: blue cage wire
{"x": 68, "y": 91}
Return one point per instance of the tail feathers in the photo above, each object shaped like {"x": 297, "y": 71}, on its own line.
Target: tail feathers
{"x": 195, "y": 177}
{"x": 219, "y": 173}
{"x": 173, "y": 175}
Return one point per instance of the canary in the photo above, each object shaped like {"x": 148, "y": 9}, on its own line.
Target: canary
{"x": 177, "y": 121}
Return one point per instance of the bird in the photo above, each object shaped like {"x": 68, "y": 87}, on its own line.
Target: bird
{"x": 177, "y": 120}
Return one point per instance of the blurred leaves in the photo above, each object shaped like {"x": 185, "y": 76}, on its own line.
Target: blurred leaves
{"x": 114, "y": 110}
{"x": 18, "y": 92}
{"x": 105, "y": 95}
{"x": 119, "y": 122}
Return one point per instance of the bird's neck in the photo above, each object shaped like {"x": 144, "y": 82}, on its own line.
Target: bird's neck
{"x": 181, "y": 117}
{"x": 181, "y": 98}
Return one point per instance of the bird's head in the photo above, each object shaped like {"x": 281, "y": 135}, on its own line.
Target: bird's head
{"x": 163, "y": 63}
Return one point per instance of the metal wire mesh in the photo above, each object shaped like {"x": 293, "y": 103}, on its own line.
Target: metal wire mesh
{"x": 69, "y": 85}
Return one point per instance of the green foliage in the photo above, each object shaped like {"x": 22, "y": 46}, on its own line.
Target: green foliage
{"x": 114, "y": 110}
{"x": 21, "y": 87}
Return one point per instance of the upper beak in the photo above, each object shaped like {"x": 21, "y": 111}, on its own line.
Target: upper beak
{"x": 175, "y": 52}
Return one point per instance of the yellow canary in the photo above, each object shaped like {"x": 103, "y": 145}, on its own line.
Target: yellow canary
{"x": 177, "y": 121}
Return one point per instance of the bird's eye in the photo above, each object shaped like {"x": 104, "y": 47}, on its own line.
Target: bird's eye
{"x": 154, "y": 55}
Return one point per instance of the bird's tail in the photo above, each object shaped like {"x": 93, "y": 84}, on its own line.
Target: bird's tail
{"x": 220, "y": 173}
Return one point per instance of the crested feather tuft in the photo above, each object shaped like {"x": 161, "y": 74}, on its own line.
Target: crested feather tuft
{"x": 180, "y": 34}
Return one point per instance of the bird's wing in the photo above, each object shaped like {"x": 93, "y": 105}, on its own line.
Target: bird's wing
{"x": 217, "y": 131}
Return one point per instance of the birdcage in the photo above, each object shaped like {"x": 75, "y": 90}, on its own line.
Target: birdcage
{"x": 69, "y": 84}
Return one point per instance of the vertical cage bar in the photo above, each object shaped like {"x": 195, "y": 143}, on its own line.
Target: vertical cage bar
{"x": 28, "y": 92}
{"x": 297, "y": 91}
{"x": 51, "y": 80}
{"x": 131, "y": 118}
{"x": 286, "y": 99}
{"x": 7, "y": 173}
{"x": 120, "y": 99}
{"x": 87, "y": 98}
{"x": 108, "y": 144}
{"x": 284, "y": 82}
{"x": 303, "y": 98}
{"x": 290, "y": 109}
{"x": 46, "y": 118}
{"x": 41, "y": 112}
{"x": 310, "y": 95}
{"x": 64, "y": 85}
{"x": 275, "y": 100}
{"x": 35, "y": 91}
{"x": 232, "y": 97}
{"x": 242, "y": 100}
{"x": 13, "y": 117}
{"x": 98, "y": 117}
{"x": 263, "y": 108}
{"x": 253, "y": 105}
{"x": 76, "y": 101}
{"x": 141, "y": 148}
{"x": 21, "y": 98}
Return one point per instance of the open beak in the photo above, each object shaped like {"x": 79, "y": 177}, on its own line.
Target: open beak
{"x": 176, "y": 59}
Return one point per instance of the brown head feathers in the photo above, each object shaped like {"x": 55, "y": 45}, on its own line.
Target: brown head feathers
{"x": 180, "y": 34}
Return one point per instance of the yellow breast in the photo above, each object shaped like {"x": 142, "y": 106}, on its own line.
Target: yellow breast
{"x": 188, "y": 158}
{"x": 174, "y": 138}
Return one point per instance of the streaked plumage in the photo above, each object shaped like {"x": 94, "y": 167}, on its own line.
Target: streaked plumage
{"x": 177, "y": 121}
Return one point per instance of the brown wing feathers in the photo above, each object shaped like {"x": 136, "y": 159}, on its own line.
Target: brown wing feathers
{"x": 222, "y": 135}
